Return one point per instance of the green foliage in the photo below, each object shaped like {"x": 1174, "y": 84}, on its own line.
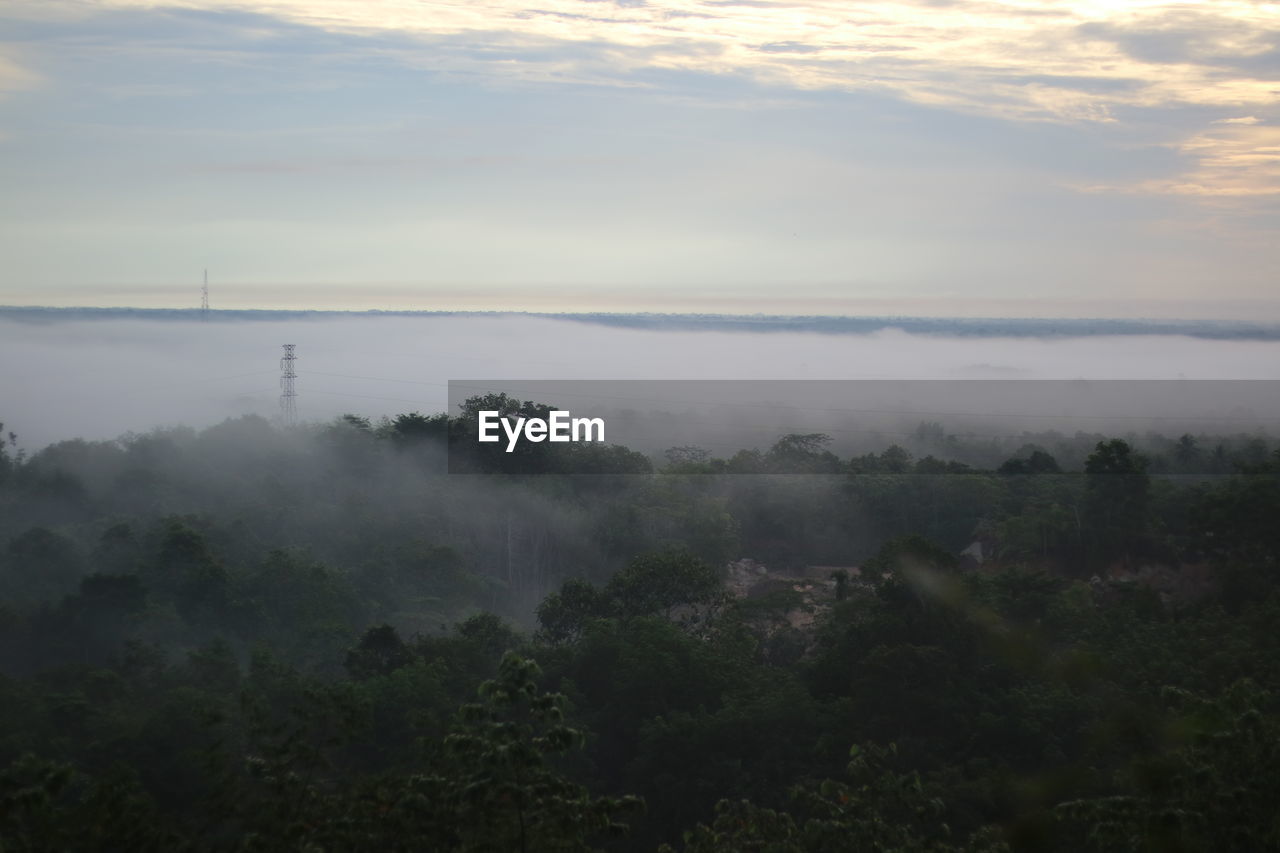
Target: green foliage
{"x": 380, "y": 652}
{"x": 39, "y": 565}
{"x": 414, "y": 428}
{"x": 1117, "y": 490}
{"x": 841, "y": 577}
{"x": 673, "y": 584}
{"x": 563, "y": 615}
{"x": 660, "y": 583}
{"x": 1211, "y": 788}
{"x": 508, "y": 798}
{"x": 233, "y": 641}
{"x": 802, "y": 454}
{"x": 1038, "y": 462}
{"x": 876, "y": 809}
{"x": 9, "y": 461}
{"x": 47, "y": 806}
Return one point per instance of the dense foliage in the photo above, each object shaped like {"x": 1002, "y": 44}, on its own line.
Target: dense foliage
{"x": 251, "y": 639}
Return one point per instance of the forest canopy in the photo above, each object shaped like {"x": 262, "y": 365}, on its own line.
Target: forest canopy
{"x": 253, "y": 638}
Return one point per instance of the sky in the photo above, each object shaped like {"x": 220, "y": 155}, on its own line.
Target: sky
{"x": 790, "y": 157}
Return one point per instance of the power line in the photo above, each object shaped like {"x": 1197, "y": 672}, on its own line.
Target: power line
{"x": 379, "y": 379}
{"x": 369, "y": 397}
{"x": 210, "y": 379}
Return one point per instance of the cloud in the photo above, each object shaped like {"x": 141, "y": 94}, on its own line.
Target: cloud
{"x": 1236, "y": 160}
{"x": 1059, "y": 61}
{"x": 1158, "y": 64}
{"x": 973, "y": 55}
{"x": 15, "y": 77}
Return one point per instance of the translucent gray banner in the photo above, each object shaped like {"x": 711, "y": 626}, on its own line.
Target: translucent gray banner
{"x": 826, "y": 426}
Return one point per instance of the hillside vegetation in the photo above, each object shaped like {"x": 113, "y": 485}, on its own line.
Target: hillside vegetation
{"x": 246, "y": 638}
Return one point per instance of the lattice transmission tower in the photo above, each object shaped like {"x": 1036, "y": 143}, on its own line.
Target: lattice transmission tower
{"x": 288, "y": 396}
{"x": 204, "y": 298}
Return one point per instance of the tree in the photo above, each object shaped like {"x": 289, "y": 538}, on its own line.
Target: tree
{"x": 414, "y": 428}
{"x": 187, "y": 569}
{"x": 41, "y": 566}
{"x": 466, "y": 454}
{"x": 381, "y": 651}
{"x": 1214, "y": 791}
{"x": 894, "y": 460}
{"x": 660, "y": 583}
{"x": 508, "y": 796}
{"x": 8, "y": 463}
{"x": 802, "y": 453}
{"x": 592, "y": 458}
{"x": 1116, "y": 497}
{"x": 46, "y": 805}
{"x": 1038, "y": 462}
{"x": 877, "y": 809}
{"x": 563, "y": 615}
{"x": 841, "y": 577}
{"x": 1187, "y": 452}
{"x": 688, "y": 459}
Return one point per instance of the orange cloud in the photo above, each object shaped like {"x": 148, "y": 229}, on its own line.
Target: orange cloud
{"x": 1232, "y": 160}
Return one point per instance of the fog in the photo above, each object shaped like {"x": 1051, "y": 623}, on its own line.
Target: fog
{"x": 100, "y": 378}
{"x": 290, "y": 620}
{"x": 864, "y": 416}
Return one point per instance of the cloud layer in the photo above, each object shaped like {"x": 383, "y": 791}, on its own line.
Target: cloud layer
{"x": 1060, "y": 60}
{"x": 1054, "y": 61}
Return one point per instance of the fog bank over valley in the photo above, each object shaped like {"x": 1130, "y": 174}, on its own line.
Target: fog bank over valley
{"x": 98, "y": 379}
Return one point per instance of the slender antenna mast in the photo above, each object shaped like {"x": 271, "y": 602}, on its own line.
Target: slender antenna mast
{"x": 288, "y": 396}
{"x": 204, "y": 298}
